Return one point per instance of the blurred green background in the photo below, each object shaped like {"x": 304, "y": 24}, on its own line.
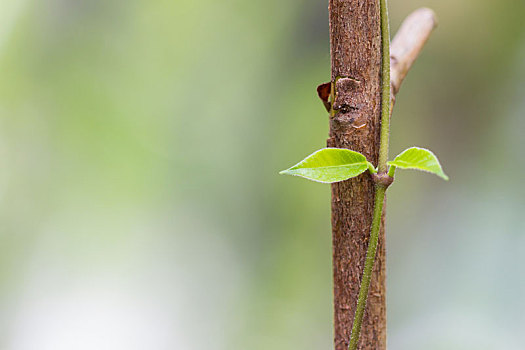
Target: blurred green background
{"x": 140, "y": 206}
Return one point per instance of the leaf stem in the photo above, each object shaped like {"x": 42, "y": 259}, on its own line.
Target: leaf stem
{"x": 380, "y": 188}
{"x": 371, "y": 168}
{"x": 391, "y": 170}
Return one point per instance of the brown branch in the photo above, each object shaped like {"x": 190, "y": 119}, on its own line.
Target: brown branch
{"x": 353, "y": 101}
{"x": 407, "y": 44}
{"x": 355, "y": 42}
{"x": 405, "y": 48}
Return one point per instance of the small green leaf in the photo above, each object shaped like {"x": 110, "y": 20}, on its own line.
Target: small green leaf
{"x": 420, "y": 159}
{"x": 329, "y": 165}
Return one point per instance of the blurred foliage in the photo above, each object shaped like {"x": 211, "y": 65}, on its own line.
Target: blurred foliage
{"x": 140, "y": 204}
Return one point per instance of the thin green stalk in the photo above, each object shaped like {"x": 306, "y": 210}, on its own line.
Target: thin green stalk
{"x": 392, "y": 171}
{"x": 385, "y": 87}
{"x": 369, "y": 264}
{"x": 380, "y": 187}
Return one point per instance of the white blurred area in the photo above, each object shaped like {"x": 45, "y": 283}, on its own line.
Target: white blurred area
{"x": 80, "y": 291}
{"x": 88, "y": 317}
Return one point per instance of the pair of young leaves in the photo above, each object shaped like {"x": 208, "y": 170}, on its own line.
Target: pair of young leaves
{"x": 330, "y": 165}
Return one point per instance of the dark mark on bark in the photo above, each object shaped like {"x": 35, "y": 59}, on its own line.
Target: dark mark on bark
{"x": 324, "y": 91}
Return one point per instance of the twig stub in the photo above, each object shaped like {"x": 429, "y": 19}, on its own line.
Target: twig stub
{"x": 408, "y": 43}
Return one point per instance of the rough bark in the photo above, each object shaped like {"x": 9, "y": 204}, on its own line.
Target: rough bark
{"x": 355, "y": 40}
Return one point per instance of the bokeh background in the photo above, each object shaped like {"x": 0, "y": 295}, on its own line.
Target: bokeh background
{"x": 140, "y": 206}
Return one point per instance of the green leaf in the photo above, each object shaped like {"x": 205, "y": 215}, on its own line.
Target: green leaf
{"x": 330, "y": 165}
{"x": 420, "y": 159}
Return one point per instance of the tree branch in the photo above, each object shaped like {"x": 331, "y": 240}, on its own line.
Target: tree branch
{"x": 405, "y": 48}
{"x": 355, "y": 101}
{"x": 407, "y": 44}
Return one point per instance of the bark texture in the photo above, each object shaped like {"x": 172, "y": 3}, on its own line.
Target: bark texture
{"x": 355, "y": 39}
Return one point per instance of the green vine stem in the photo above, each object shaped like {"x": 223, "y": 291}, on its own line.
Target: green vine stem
{"x": 385, "y": 86}
{"x": 381, "y": 186}
{"x": 369, "y": 264}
